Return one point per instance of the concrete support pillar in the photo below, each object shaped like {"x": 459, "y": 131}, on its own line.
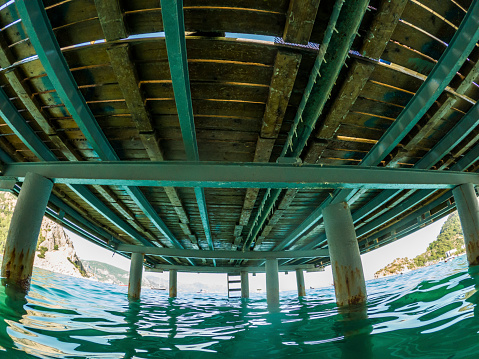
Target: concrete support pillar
{"x": 24, "y": 229}
{"x": 300, "y": 282}
{"x": 136, "y": 272}
{"x": 468, "y": 209}
{"x": 244, "y": 285}
{"x": 349, "y": 284}
{"x": 272, "y": 282}
{"x": 173, "y": 283}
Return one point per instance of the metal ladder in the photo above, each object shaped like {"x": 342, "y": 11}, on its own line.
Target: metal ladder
{"x": 233, "y": 280}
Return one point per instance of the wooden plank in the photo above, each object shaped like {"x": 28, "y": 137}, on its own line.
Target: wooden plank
{"x": 111, "y": 19}
{"x": 428, "y": 21}
{"x": 405, "y": 56}
{"x": 300, "y": 20}
{"x": 128, "y": 82}
{"x": 209, "y": 91}
{"x": 381, "y": 92}
{"x": 265, "y": 5}
{"x": 425, "y": 43}
{"x": 282, "y": 82}
{"x": 79, "y": 33}
{"x": 209, "y": 71}
{"x": 71, "y": 12}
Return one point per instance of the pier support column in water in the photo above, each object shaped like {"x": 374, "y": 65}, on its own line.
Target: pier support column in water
{"x": 348, "y": 277}
{"x": 300, "y": 282}
{"x": 272, "y": 282}
{"x": 24, "y": 229}
{"x": 244, "y": 285}
{"x": 136, "y": 272}
{"x": 468, "y": 209}
{"x": 173, "y": 283}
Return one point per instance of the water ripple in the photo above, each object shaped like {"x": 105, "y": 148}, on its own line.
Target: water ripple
{"x": 429, "y": 313}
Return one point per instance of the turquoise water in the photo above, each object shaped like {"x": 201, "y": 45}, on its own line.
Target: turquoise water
{"x": 429, "y": 313}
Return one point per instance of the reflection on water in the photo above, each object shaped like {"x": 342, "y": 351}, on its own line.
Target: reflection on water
{"x": 430, "y": 313}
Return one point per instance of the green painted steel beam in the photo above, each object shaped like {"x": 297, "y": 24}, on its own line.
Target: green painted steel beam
{"x": 415, "y": 220}
{"x": 147, "y": 208}
{"x": 265, "y": 208}
{"x": 174, "y": 27}
{"x": 20, "y": 127}
{"x": 237, "y": 175}
{"x": 188, "y": 269}
{"x": 210, "y": 254}
{"x": 339, "y": 36}
{"x": 322, "y": 77}
{"x": 395, "y": 231}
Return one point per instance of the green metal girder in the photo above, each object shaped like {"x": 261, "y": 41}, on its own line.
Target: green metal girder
{"x": 174, "y": 27}
{"x": 237, "y": 175}
{"x": 206, "y": 254}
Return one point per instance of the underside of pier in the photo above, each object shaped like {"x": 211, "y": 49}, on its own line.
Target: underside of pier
{"x": 213, "y": 134}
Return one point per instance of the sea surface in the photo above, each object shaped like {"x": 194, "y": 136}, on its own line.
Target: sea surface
{"x": 429, "y": 313}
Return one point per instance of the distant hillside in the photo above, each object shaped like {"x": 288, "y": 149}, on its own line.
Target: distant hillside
{"x": 107, "y": 273}
{"x": 450, "y": 238}
{"x": 110, "y": 274}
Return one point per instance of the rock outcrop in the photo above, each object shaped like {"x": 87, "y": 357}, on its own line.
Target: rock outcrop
{"x": 55, "y": 251}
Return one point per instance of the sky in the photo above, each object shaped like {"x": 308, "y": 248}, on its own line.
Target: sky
{"x": 410, "y": 246}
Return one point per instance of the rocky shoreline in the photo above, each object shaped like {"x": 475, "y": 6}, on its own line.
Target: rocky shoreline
{"x": 449, "y": 241}
{"x": 55, "y": 251}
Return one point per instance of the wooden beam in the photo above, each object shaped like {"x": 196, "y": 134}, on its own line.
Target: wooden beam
{"x": 374, "y": 44}
{"x": 286, "y": 67}
{"x": 300, "y": 20}
{"x": 111, "y": 19}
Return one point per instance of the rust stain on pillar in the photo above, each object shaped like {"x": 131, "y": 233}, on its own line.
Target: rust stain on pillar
{"x": 23, "y": 232}
{"x": 349, "y": 284}
{"x": 18, "y": 269}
